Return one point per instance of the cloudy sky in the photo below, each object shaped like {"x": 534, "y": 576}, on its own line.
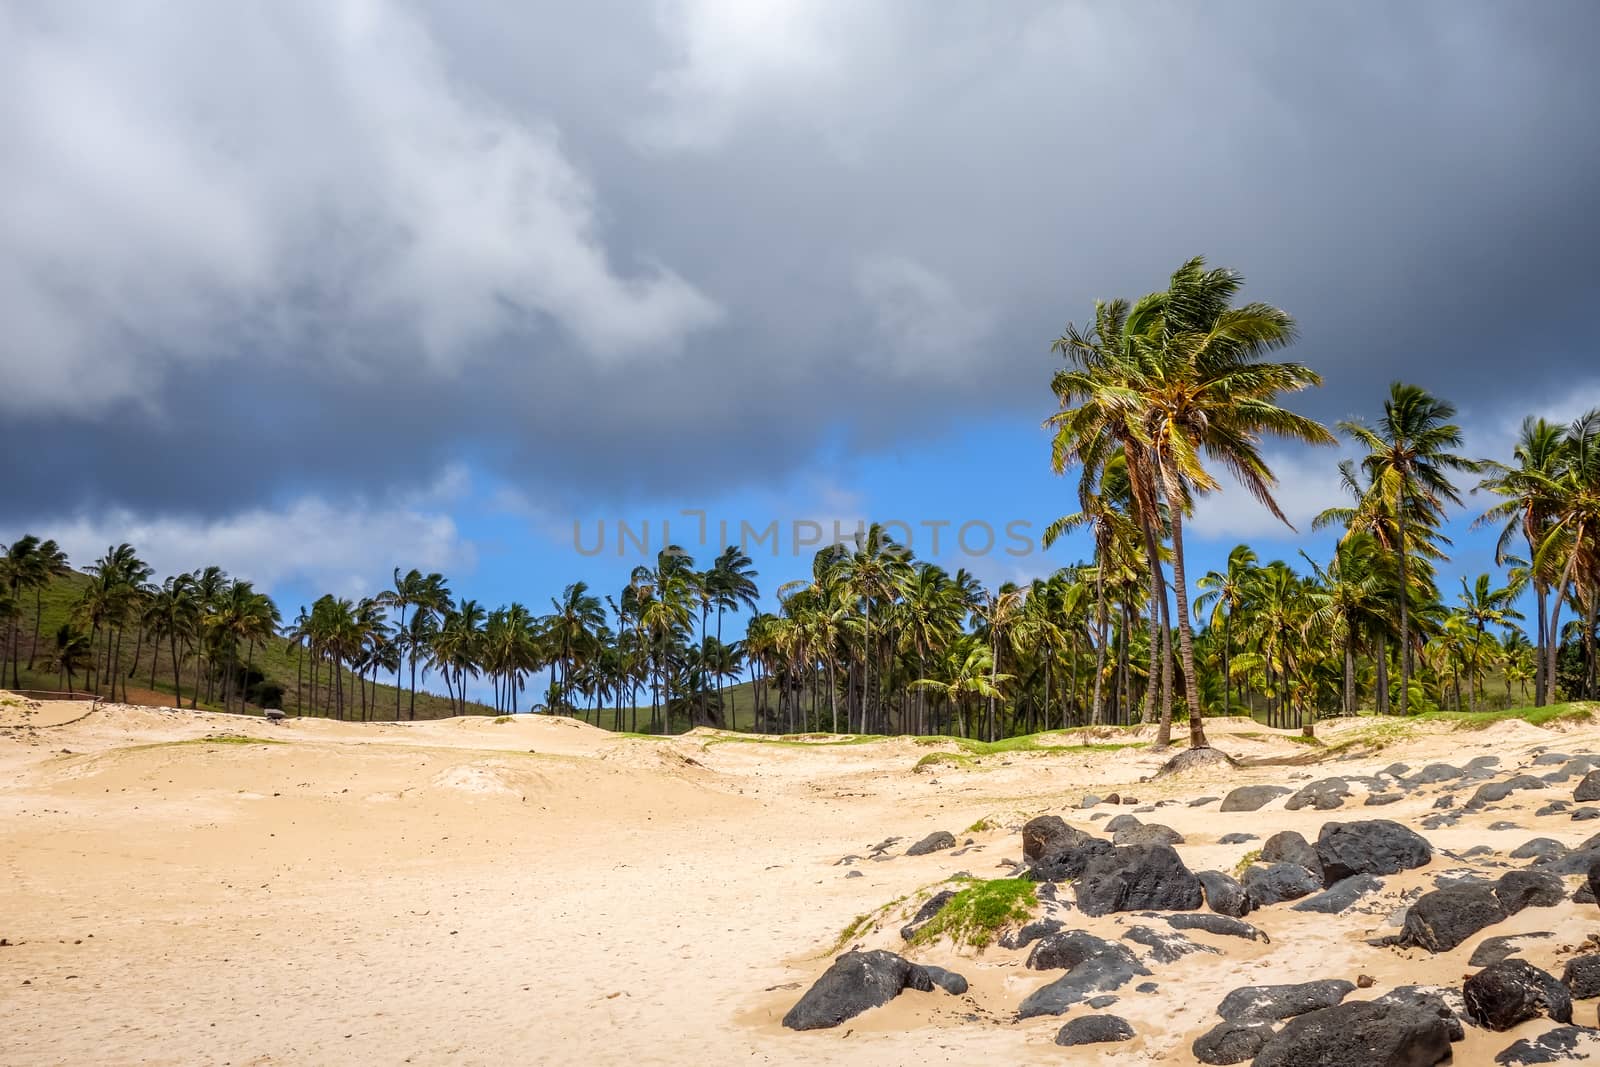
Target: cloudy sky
{"x": 314, "y": 289}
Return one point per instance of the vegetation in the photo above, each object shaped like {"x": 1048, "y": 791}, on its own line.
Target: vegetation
{"x": 979, "y": 911}
{"x": 1156, "y": 396}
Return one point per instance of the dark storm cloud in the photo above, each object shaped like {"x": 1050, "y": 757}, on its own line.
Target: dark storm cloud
{"x": 735, "y": 230}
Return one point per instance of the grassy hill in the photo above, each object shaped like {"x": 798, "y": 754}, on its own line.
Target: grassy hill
{"x": 275, "y": 660}
{"x": 738, "y": 701}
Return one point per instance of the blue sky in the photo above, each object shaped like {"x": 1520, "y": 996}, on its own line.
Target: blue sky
{"x": 983, "y": 476}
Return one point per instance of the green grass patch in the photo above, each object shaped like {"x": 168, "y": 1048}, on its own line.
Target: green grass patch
{"x": 795, "y": 740}
{"x": 1302, "y": 739}
{"x": 983, "y": 825}
{"x": 502, "y": 719}
{"x": 943, "y": 759}
{"x": 1050, "y": 741}
{"x": 1246, "y": 862}
{"x": 861, "y": 925}
{"x": 978, "y": 912}
{"x": 1549, "y": 715}
{"x": 220, "y": 739}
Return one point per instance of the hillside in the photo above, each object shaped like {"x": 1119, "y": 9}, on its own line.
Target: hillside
{"x": 276, "y": 660}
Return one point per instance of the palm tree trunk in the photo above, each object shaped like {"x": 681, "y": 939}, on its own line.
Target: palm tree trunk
{"x": 1164, "y": 735}
{"x": 866, "y": 661}
{"x": 1227, "y": 667}
{"x": 1102, "y": 623}
{"x": 177, "y": 673}
{"x": 249, "y": 665}
{"x": 1125, "y": 654}
{"x": 833, "y": 695}
{"x": 1541, "y": 595}
{"x": 1191, "y": 690}
{"x": 133, "y": 666}
{"x": 399, "y": 633}
{"x": 1554, "y": 630}
{"x": 38, "y": 613}
{"x": 1381, "y": 661}
{"x": 1349, "y": 676}
{"x": 1405, "y": 610}
{"x": 116, "y": 669}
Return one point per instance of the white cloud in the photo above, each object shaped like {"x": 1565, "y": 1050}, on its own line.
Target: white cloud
{"x": 1308, "y": 482}
{"x": 738, "y": 57}
{"x": 923, "y": 322}
{"x": 1309, "y": 478}
{"x": 184, "y": 183}
{"x": 1493, "y": 434}
{"x": 347, "y": 548}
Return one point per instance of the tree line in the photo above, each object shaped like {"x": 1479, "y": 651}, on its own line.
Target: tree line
{"x": 1156, "y": 397}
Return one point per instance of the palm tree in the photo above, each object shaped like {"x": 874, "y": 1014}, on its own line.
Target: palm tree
{"x": 173, "y": 613}
{"x": 410, "y": 588}
{"x": 1347, "y": 600}
{"x": 72, "y": 652}
{"x": 1526, "y": 507}
{"x": 19, "y": 565}
{"x": 666, "y": 598}
{"x": 1000, "y": 615}
{"x": 1410, "y": 454}
{"x": 457, "y": 648}
{"x": 930, "y": 613}
{"x": 1208, "y": 393}
{"x": 1098, "y": 421}
{"x": 969, "y": 673}
{"x": 732, "y": 583}
{"x": 1223, "y": 594}
{"x": 117, "y": 578}
{"x": 1574, "y": 530}
{"x": 49, "y": 563}
{"x": 243, "y": 616}
{"x": 761, "y": 649}
{"x": 1106, "y": 505}
{"x": 578, "y": 614}
{"x": 873, "y": 573}
{"x": 210, "y": 586}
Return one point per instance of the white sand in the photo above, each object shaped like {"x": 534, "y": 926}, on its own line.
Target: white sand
{"x": 540, "y": 891}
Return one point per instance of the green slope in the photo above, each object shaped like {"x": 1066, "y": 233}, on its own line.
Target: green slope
{"x": 276, "y": 660}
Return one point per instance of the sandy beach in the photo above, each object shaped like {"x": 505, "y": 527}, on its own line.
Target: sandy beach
{"x": 187, "y": 887}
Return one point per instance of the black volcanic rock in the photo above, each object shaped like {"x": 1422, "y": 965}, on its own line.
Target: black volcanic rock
{"x": 856, "y": 982}
{"x": 1137, "y": 878}
{"x": 1513, "y": 991}
{"x": 1369, "y": 846}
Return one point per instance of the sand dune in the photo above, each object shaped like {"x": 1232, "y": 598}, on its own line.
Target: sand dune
{"x": 189, "y": 887}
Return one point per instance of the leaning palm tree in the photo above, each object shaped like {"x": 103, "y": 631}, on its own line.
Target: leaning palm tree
{"x": 1099, "y": 421}
{"x": 1409, "y": 457}
{"x": 1208, "y": 394}
{"x": 49, "y": 563}
{"x": 72, "y": 652}
{"x": 1527, "y": 503}
{"x": 1106, "y": 506}
{"x": 1573, "y": 536}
